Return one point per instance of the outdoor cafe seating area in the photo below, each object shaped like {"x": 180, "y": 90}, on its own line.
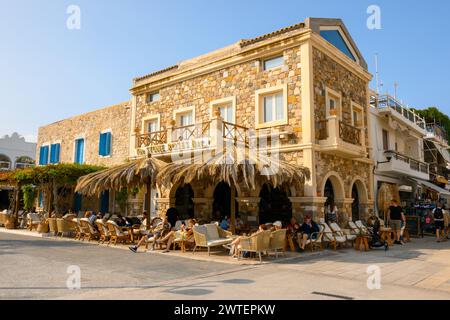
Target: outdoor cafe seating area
{"x": 207, "y": 237}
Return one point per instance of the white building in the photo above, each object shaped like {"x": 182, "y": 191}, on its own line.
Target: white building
{"x": 397, "y": 135}
{"x": 15, "y": 152}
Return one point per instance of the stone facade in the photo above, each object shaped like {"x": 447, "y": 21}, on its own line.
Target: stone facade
{"x": 89, "y": 125}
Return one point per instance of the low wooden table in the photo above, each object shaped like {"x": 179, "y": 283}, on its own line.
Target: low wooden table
{"x": 386, "y": 235}
{"x": 362, "y": 241}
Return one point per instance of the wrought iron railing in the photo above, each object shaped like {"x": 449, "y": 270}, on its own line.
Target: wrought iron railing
{"x": 349, "y": 133}
{"x": 414, "y": 164}
{"x": 152, "y": 138}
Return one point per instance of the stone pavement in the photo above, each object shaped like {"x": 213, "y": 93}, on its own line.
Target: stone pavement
{"x": 36, "y": 268}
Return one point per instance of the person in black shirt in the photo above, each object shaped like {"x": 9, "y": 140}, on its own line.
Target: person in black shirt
{"x": 438, "y": 216}
{"x": 308, "y": 228}
{"x": 396, "y": 216}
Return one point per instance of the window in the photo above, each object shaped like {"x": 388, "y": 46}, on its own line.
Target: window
{"x": 55, "y": 153}
{"x": 185, "y": 119}
{"x": 226, "y": 107}
{"x": 273, "y": 63}
{"x": 271, "y": 107}
{"x": 357, "y": 115}
{"x": 333, "y": 101}
{"x": 385, "y": 134}
{"x": 43, "y": 155}
{"x": 151, "y": 126}
{"x": 152, "y": 97}
{"x": 336, "y": 39}
{"x": 104, "y": 146}
{"x": 79, "y": 151}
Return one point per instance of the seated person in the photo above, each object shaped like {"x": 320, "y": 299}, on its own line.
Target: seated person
{"x": 239, "y": 223}
{"x": 160, "y": 230}
{"x": 224, "y": 224}
{"x": 235, "y": 245}
{"x": 120, "y": 221}
{"x": 307, "y": 229}
{"x": 185, "y": 232}
{"x": 293, "y": 228}
{"x": 277, "y": 225}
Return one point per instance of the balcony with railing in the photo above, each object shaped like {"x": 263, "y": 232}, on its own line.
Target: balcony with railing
{"x": 199, "y": 136}
{"x": 23, "y": 165}
{"x": 386, "y": 104}
{"x": 403, "y": 165}
{"x": 338, "y": 137}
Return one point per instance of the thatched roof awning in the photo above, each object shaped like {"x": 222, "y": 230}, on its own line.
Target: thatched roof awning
{"x": 237, "y": 167}
{"x": 128, "y": 175}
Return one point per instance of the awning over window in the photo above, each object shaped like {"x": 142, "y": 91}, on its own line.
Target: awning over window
{"x": 442, "y": 192}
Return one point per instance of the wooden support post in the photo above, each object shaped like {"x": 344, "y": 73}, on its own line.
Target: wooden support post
{"x": 148, "y": 202}
{"x": 233, "y": 208}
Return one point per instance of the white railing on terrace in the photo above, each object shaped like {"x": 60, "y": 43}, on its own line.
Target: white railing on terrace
{"x": 23, "y": 165}
{"x": 383, "y": 102}
{"x": 5, "y": 165}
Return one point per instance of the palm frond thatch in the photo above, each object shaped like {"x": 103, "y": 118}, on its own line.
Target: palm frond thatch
{"x": 128, "y": 175}
{"x": 238, "y": 168}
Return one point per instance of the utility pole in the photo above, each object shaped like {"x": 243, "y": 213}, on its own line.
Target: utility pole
{"x": 395, "y": 89}
{"x": 377, "y": 77}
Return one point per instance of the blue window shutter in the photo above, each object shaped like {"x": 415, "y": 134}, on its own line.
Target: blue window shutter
{"x": 108, "y": 144}
{"x": 100, "y": 145}
{"x": 57, "y": 153}
{"x": 52, "y": 153}
{"x": 43, "y": 156}
{"x": 79, "y": 151}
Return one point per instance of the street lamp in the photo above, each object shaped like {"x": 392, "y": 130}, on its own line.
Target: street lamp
{"x": 389, "y": 154}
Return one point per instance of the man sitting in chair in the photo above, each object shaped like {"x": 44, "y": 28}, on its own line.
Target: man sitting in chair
{"x": 307, "y": 229}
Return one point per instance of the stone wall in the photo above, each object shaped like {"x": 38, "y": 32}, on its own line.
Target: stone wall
{"x": 89, "y": 125}
{"x": 241, "y": 81}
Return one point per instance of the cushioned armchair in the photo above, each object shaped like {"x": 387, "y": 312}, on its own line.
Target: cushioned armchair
{"x": 209, "y": 236}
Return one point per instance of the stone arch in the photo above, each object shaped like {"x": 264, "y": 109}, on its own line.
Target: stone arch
{"x": 358, "y": 192}
{"x": 5, "y": 162}
{"x": 338, "y": 185}
{"x": 361, "y": 187}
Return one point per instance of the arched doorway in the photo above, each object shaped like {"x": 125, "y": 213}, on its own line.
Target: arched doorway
{"x": 355, "y": 204}
{"x": 329, "y": 193}
{"x": 274, "y": 205}
{"x": 184, "y": 202}
{"x": 222, "y": 201}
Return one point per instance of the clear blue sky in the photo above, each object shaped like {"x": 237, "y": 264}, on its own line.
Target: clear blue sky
{"x": 48, "y": 72}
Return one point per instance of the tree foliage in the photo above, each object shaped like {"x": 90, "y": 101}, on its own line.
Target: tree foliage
{"x": 29, "y": 196}
{"x": 434, "y": 115}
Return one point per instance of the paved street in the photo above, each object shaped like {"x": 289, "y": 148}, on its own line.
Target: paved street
{"x": 35, "y": 268}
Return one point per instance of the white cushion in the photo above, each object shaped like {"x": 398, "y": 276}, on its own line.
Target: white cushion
{"x": 200, "y": 229}
{"x": 211, "y": 232}
{"x": 218, "y": 242}
{"x": 340, "y": 239}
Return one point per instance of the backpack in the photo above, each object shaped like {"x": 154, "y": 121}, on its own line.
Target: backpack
{"x": 438, "y": 214}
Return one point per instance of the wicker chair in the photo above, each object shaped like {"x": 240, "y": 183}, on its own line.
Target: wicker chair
{"x": 278, "y": 241}
{"x": 78, "y": 229}
{"x": 346, "y": 233}
{"x": 53, "y": 227}
{"x": 209, "y": 236}
{"x": 316, "y": 239}
{"x": 65, "y": 226}
{"x": 90, "y": 233}
{"x": 356, "y": 230}
{"x": 103, "y": 229}
{"x": 117, "y": 234}
{"x": 258, "y": 243}
{"x": 33, "y": 221}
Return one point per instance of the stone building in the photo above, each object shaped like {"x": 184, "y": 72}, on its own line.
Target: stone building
{"x": 100, "y": 137}
{"x": 306, "y": 85}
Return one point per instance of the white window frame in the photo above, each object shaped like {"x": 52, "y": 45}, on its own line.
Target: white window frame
{"x": 259, "y": 96}
{"x": 110, "y": 147}
{"x": 214, "y": 105}
{"x": 330, "y": 93}
{"x": 148, "y": 95}
{"x": 177, "y": 113}
{"x": 347, "y": 42}
{"x": 149, "y": 118}
{"x": 360, "y": 110}
{"x": 263, "y": 62}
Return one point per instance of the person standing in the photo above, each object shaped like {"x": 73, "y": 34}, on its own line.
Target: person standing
{"x": 396, "y": 217}
{"x": 332, "y": 212}
{"x": 438, "y": 217}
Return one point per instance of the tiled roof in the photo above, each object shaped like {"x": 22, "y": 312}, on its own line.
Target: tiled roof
{"x": 247, "y": 42}
{"x": 156, "y": 73}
